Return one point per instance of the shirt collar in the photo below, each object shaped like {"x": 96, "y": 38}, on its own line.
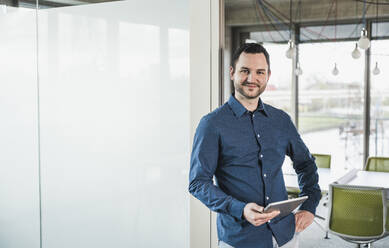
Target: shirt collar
{"x": 239, "y": 109}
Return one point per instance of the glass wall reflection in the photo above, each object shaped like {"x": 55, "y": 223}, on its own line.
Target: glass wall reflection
{"x": 48, "y": 4}
{"x": 114, "y": 81}
{"x": 19, "y": 145}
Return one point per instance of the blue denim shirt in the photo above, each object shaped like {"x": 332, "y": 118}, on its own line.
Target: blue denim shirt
{"x": 245, "y": 152}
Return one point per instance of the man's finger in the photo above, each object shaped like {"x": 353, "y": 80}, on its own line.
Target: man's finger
{"x": 264, "y": 217}
{"x": 257, "y": 208}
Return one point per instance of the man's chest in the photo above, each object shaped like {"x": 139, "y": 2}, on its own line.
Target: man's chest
{"x": 249, "y": 137}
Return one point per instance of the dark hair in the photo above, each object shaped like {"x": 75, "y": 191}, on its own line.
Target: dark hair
{"x": 249, "y": 48}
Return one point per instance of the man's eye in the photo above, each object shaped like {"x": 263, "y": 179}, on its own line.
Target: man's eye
{"x": 261, "y": 72}
{"x": 244, "y": 71}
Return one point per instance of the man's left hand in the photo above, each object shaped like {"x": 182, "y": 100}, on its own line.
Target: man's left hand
{"x": 303, "y": 220}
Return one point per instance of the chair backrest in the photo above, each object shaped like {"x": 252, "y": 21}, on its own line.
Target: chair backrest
{"x": 380, "y": 164}
{"x": 322, "y": 160}
{"x": 357, "y": 212}
{"x": 387, "y": 216}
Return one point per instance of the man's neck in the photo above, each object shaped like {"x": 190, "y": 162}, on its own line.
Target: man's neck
{"x": 249, "y": 104}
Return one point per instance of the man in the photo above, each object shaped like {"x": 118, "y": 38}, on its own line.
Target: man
{"x": 243, "y": 144}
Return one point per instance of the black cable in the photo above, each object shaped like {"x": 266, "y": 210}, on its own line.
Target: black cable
{"x": 371, "y": 2}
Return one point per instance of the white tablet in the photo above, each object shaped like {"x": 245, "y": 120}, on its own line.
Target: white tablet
{"x": 285, "y": 207}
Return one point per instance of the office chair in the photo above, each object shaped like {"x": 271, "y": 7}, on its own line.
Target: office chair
{"x": 358, "y": 214}
{"x": 322, "y": 161}
{"x": 379, "y": 164}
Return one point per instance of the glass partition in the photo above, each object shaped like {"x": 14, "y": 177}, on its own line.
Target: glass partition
{"x": 114, "y": 81}
{"x": 19, "y": 150}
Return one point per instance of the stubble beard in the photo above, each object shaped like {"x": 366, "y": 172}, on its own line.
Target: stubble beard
{"x": 241, "y": 90}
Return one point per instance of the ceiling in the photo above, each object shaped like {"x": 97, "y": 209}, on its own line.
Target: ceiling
{"x": 241, "y": 13}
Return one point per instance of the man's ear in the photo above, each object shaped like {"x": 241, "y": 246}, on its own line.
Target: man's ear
{"x": 268, "y": 75}
{"x": 231, "y": 72}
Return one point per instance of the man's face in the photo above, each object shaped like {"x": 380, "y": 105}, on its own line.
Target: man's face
{"x": 251, "y": 75}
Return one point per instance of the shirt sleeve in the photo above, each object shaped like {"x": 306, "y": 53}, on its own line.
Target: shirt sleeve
{"x": 306, "y": 169}
{"x": 203, "y": 164}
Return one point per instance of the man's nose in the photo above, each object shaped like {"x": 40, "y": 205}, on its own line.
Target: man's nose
{"x": 252, "y": 77}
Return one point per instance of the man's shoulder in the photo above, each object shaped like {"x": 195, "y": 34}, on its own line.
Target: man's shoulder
{"x": 276, "y": 112}
{"x": 217, "y": 115}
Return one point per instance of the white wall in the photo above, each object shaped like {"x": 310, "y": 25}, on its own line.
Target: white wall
{"x": 114, "y": 126}
{"x": 205, "y": 92}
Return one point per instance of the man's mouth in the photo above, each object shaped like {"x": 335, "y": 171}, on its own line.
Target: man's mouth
{"x": 250, "y": 85}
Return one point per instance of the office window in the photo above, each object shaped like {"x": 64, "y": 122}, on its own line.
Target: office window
{"x": 271, "y": 36}
{"x": 278, "y": 92}
{"x": 380, "y": 29}
{"x": 331, "y": 107}
{"x": 379, "y": 105}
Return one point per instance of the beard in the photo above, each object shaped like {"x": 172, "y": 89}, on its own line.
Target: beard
{"x": 249, "y": 94}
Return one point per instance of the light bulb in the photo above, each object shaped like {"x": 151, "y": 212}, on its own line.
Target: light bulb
{"x": 298, "y": 70}
{"x": 335, "y": 71}
{"x": 376, "y": 70}
{"x": 356, "y": 53}
{"x": 364, "y": 42}
{"x": 290, "y": 52}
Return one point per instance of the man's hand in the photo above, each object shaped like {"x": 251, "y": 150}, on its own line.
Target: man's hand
{"x": 303, "y": 220}
{"x": 253, "y": 214}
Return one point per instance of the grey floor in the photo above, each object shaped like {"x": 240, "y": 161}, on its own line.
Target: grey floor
{"x": 313, "y": 236}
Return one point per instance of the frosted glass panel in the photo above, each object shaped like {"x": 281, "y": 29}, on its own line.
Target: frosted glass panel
{"x": 115, "y": 124}
{"x": 19, "y": 190}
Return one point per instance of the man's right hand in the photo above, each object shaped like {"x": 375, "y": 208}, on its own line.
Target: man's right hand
{"x": 253, "y": 214}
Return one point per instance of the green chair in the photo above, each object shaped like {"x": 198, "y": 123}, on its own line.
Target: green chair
{"x": 379, "y": 164}
{"x": 358, "y": 214}
{"x": 322, "y": 160}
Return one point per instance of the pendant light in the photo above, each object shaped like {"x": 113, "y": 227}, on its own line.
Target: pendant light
{"x": 364, "y": 41}
{"x": 356, "y": 53}
{"x": 335, "y": 71}
{"x": 376, "y": 70}
{"x": 291, "y": 50}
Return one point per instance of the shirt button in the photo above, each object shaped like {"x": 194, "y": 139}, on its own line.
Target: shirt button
{"x": 258, "y": 135}
{"x": 264, "y": 175}
{"x": 268, "y": 221}
{"x": 267, "y": 198}
{"x": 261, "y": 156}
{"x": 253, "y": 115}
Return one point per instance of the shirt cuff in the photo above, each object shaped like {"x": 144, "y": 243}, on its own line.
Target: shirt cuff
{"x": 309, "y": 206}
{"x": 236, "y": 209}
